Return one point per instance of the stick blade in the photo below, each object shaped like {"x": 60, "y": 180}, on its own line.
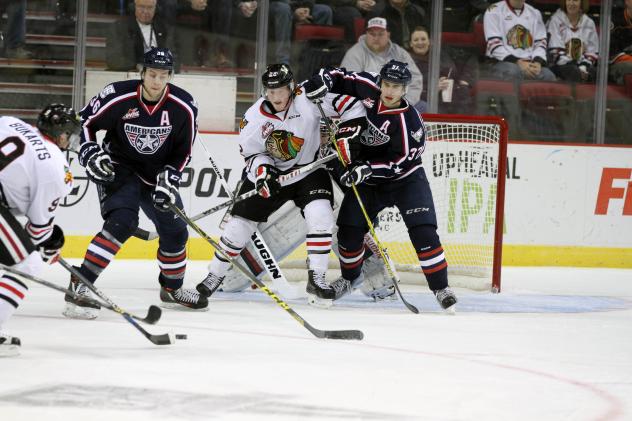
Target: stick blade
{"x": 153, "y": 315}
{"x": 164, "y": 339}
{"x": 356, "y": 335}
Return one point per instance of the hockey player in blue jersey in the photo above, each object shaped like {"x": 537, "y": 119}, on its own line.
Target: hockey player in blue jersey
{"x": 150, "y": 127}
{"x": 385, "y": 165}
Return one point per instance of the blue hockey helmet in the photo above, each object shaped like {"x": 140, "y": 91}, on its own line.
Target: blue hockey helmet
{"x": 158, "y": 58}
{"x": 396, "y": 72}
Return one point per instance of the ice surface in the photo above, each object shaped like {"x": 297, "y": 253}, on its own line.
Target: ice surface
{"x": 556, "y": 344}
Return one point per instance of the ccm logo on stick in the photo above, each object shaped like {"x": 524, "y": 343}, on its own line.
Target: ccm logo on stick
{"x": 608, "y": 192}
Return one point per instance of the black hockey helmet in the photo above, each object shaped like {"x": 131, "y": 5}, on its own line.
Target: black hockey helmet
{"x": 396, "y": 72}
{"x": 278, "y": 75}
{"x": 57, "y": 119}
{"x": 158, "y": 58}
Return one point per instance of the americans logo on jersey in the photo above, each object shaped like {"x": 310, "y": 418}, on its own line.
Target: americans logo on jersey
{"x": 146, "y": 140}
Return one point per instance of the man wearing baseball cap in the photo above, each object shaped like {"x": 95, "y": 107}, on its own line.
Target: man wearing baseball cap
{"x": 374, "y": 49}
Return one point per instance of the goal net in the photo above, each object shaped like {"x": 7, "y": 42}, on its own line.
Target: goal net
{"x": 465, "y": 160}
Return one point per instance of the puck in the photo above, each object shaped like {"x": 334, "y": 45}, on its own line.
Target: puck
{"x": 181, "y": 336}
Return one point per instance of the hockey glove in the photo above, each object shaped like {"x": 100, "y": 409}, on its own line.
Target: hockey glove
{"x": 267, "y": 182}
{"x": 356, "y": 174}
{"x": 51, "y": 248}
{"x": 97, "y": 163}
{"x": 317, "y": 87}
{"x": 166, "y": 190}
{"x": 348, "y": 139}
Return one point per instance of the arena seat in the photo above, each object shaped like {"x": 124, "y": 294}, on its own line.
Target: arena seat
{"x": 548, "y": 110}
{"x": 618, "y": 112}
{"x": 496, "y": 97}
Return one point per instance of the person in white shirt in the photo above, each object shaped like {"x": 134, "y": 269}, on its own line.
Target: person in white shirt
{"x": 573, "y": 42}
{"x": 516, "y": 39}
{"x": 34, "y": 178}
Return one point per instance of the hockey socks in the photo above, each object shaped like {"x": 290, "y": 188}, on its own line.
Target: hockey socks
{"x": 431, "y": 256}
{"x": 100, "y": 253}
{"x": 172, "y": 268}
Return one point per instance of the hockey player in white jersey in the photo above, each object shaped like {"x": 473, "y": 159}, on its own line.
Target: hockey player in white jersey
{"x": 516, "y": 39}
{"x": 34, "y": 177}
{"x": 280, "y": 132}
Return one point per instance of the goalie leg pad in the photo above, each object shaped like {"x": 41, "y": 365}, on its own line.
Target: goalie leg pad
{"x": 236, "y": 233}
{"x": 430, "y": 253}
{"x": 320, "y": 220}
{"x": 377, "y": 284}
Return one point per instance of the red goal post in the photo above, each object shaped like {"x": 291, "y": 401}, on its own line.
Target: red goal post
{"x": 466, "y": 163}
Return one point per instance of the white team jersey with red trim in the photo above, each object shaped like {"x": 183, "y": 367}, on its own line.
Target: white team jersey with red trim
{"x": 511, "y": 32}
{"x": 573, "y": 43}
{"x": 301, "y": 120}
{"x": 34, "y": 175}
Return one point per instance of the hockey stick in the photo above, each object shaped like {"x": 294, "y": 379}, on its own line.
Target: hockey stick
{"x": 279, "y": 281}
{"x": 329, "y": 334}
{"x": 153, "y": 314}
{"x": 147, "y": 235}
{"x": 391, "y": 270}
{"x": 165, "y": 339}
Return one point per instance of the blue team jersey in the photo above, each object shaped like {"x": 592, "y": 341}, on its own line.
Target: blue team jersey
{"x": 143, "y": 137}
{"x": 395, "y": 137}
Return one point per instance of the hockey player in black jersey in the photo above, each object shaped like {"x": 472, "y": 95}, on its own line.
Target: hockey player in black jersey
{"x": 150, "y": 127}
{"x": 385, "y": 165}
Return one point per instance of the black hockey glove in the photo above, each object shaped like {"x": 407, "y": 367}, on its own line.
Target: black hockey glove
{"x": 356, "y": 173}
{"x": 348, "y": 139}
{"x": 166, "y": 190}
{"x": 267, "y": 182}
{"x": 97, "y": 163}
{"x": 317, "y": 86}
{"x": 51, "y": 248}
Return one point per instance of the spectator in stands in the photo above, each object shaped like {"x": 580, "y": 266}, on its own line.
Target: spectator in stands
{"x": 283, "y": 14}
{"x": 16, "y": 29}
{"x": 458, "y": 14}
{"x": 573, "y": 42}
{"x": 402, "y": 16}
{"x": 516, "y": 41}
{"x": 346, "y": 12}
{"x": 621, "y": 44}
{"x": 374, "y": 49}
{"x": 205, "y": 30}
{"x": 127, "y": 41}
{"x": 450, "y": 78}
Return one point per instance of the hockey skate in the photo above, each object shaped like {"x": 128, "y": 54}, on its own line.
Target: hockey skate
{"x": 209, "y": 285}
{"x": 79, "y": 309}
{"x": 319, "y": 292}
{"x": 9, "y": 346}
{"x": 183, "y": 298}
{"x": 447, "y": 300}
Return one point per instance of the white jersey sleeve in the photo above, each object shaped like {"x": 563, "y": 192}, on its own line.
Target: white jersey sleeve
{"x": 35, "y": 178}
